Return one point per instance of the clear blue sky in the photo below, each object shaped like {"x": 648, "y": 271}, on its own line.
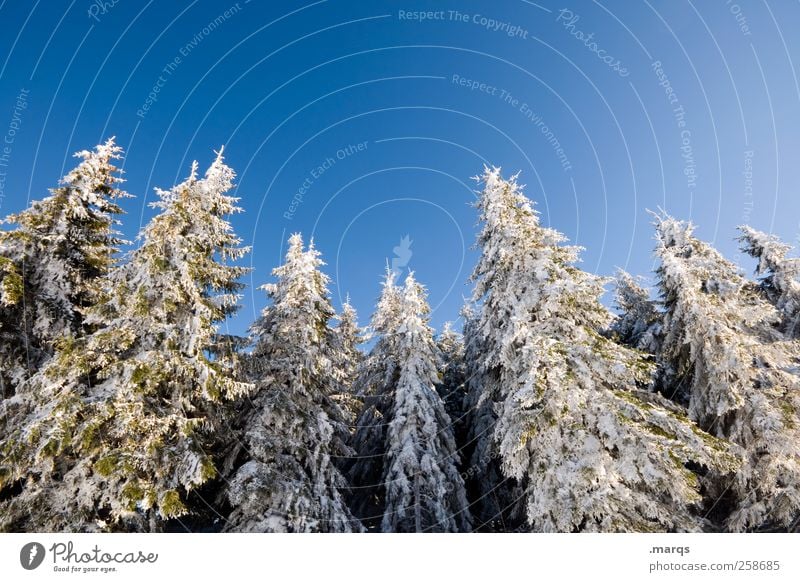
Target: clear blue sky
{"x": 292, "y": 88}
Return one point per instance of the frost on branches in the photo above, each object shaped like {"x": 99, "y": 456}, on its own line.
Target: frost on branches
{"x": 347, "y": 336}
{"x": 117, "y": 434}
{"x": 125, "y": 407}
{"x": 51, "y": 263}
{"x": 294, "y": 428}
{"x": 780, "y": 275}
{"x": 639, "y": 322}
{"x": 494, "y": 498}
{"x": 594, "y": 452}
{"x": 365, "y": 470}
{"x": 451, "y": 387}
{"x": 723, "y": 342}
{"x": 407, "y": 457}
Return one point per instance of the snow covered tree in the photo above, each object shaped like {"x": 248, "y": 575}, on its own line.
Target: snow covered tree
{"x": 405, "y": 433}
{"x": 495, "y": 500}
{"x": 347, "y": 336}
{"x": 423, "y": 489}
{"x": 639, "y": 322}
{"x": 721, "y": 342}
{"x": 780, "y": 275}
{"x": 294, "y": 428}
{"x": 451, "y": 388}
{"x": 593, "y": 451}
{"x": 118, "y": 430}
{"x": 366, "y": 468}
{"x": 52, "y": 262}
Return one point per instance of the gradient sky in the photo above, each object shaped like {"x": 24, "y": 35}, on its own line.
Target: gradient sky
{"x": 292, "y": 88}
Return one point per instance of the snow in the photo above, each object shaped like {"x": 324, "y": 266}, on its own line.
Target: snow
{"x": 127, "y": 409}
{"x": 406, "y": 449}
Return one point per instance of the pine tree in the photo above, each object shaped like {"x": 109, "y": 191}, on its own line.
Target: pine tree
{"x": 780, "y": 275}
{"x": 118, "y": 433}
{"x": 593, "y": 451}
{"x": 639, "y": 322}
{"x": 451, "y": 388}
{"x": 347, "y": 336}
{"x": 294, "y": 428}
{"x": 410, "y": 447}
{"x": 52, "y": 262}
{"x": 421, "y": 479}
{"x": 495, "y": 500}
{"x": 366, "y": 468}
{"x": 721, "y": 342}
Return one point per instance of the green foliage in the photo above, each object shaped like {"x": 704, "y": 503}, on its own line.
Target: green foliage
{"x": 133, "y": 493}
{"x": 171, "y": 506}
{"x": 207, "y": 469}
{"x": 107, "y": 465}
{"x": 5, "y": 476}
{"x": 11, "y": 287}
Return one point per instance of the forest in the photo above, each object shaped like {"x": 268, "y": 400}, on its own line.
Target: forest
{"x": 126, "y": 408}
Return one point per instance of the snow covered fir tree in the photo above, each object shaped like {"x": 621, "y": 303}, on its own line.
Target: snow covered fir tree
{"x": 52, "y": 262}
{"x": 727, "y": 355}
{"x": 294, "y": 428}
{"x": 127, "y": 407}
{"x": 115, "y": 434}
{"x": 406, "y": 462}
{"x": 575, "y": 424}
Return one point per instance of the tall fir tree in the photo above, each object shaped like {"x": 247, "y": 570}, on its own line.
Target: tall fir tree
{"x": 780, "y": 275}
{"x": 451, "y": 388}
{"x": 294, "y": 429}
{"x": 347, "y": 336}
{"x": 408, "y": 431}
{"x": 638, "y": 324}
{"x": 53, "y": 260}
{"x": 739, "y": 372}
{"x": 118, "y": 434}
{"x": 496, "y": 501}
{"x": 593, "y": 451}
{"x": 423, "y": 488}
{"x": 365, "y": 470}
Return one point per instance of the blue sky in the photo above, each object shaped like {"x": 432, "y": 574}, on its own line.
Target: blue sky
{"x": 360, "y": 123}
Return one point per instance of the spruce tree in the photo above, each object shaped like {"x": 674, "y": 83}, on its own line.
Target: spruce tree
{"x": 365, "y": 470}
{"x": 293, "y": 429}
{"x": 118, "y": 434}
{"x": 780, "y": 275}
{"x": 495, "y": 500}
{"x": 451, "y": 387}
{"x": 639, "y": 322}
{"x": 410, "y": 432}
{"x": 347, "y": 336}
{"x": 52, "y": 262}
{"x": 593, "y": 450}
{"x": 739, "y": 372}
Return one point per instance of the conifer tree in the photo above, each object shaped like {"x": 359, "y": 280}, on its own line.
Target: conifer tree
{"x": 294, "y": 428}
{"x": 780, "y": 275}
{"x": 347, "y": 336}
{"x": 366, "y": 468}
{"x": 451, "y": 388}
{"x": 721, "y": 342}
{"x": 421, "y": 489}
{"x": 118, "y": 431}
{"x": 52, "y": 261}
{"x": 593, "y": 451}
{"x": 494, "y": 498}
{"x": 639, "y": 322}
